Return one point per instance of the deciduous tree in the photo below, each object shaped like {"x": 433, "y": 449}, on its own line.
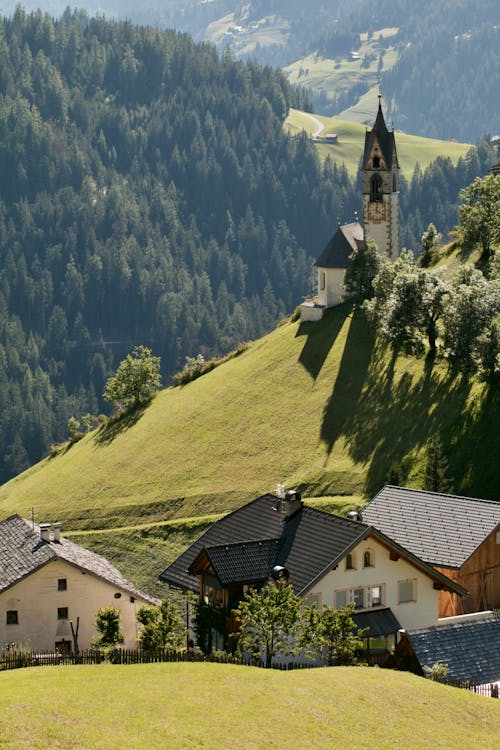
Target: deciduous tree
{"x": 136, "y": 379}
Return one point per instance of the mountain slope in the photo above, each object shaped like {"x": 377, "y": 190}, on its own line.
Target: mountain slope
{"x": 318, "y": 406}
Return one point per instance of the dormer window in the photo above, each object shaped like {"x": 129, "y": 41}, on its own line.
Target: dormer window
{"x": 376, "y": 189}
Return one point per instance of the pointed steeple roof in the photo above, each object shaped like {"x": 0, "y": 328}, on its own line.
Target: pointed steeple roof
{"x": 384, "y": 138}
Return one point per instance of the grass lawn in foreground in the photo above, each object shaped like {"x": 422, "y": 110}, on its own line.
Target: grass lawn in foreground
{"x": 216, "y": 706}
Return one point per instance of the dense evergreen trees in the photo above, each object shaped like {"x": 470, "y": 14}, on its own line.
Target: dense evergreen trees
{"x": 147, "y": 196}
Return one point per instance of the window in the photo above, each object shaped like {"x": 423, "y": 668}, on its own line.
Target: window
{"x": 358, "y": 597}
{"x": 375, "y": 594}
{"x": 341, "y": 599}
{"x": 376, "y": 189}
{"x": 407, "y": 591}
{"x": 394, "y": 183}
{"x": 62, "y": 584}
{"x": 322, "y": 280}
{"x": 12, "y": 617}
{"x": 62, "y": 613}
{"x": 376, "y": 162}
{"x": 350, "y": 562}
{"x": 313, "y": 600}
{"x": 367, "y": 559}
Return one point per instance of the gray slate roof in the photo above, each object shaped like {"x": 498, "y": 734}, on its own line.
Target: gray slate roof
{"x": 311, "y": 543}
{"x": 243, "y": 562}
{"x": 378, "y": 621}
{"x": 22, "y": 552}
{"x": 470, "y": 648}
{"x": 443, "y": 530}
{"x": 347, "y": 238}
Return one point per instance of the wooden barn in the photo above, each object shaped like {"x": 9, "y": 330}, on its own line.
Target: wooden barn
{"x": 459, "y": 536}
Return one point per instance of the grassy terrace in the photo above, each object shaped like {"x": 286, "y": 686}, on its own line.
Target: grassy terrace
{"x": 165, "y": 706}
{"x": 349, "y": 149}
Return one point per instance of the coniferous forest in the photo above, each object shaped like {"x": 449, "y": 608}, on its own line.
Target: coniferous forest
{"x": 148, "y": 195}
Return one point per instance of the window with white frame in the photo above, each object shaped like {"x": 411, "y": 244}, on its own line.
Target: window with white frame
{"x": 363, "y": 597}
{"x": 407, "y": 591}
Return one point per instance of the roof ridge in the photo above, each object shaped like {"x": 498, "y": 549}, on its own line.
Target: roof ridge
{"x": 436, "y": 494}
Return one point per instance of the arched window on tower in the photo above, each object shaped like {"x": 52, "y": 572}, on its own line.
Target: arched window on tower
{"x": 376, "y": 189}
{"x": 376, "y": 162}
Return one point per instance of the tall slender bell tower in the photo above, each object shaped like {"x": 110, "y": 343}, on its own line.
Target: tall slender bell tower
{"x": 381, "y": 187}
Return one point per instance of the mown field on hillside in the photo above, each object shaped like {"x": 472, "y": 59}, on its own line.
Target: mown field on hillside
{"x": 319, "y": 406}
{"x": 412, "y": 149}
{"x": 213, "y": 706}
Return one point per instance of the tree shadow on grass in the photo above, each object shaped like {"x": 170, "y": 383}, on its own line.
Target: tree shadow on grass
{"x": 342, "y": 404}
{"x": 320, "y": 337}
{"x": 121, "y": 423}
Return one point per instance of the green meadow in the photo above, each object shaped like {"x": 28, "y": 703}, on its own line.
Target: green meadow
{"x": 212, "y": 706}
{"x": 412, "y": 149}
{"x": 321, "y": 407}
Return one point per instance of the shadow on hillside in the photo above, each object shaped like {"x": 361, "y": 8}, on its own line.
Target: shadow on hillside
{"x": 320, "y": 338}
{"x": 118, "y": 424}
{"x": 353, "y": 371}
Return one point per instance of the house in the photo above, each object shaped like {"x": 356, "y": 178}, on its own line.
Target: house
{"x": 380, "y": 195}
{"x": 459, "y": 536}
{"x": 48, "y": 584}
{"x": 469, "y": 645}
{"x": 329, "y": 560}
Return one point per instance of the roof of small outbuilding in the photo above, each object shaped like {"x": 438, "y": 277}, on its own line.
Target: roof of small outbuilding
{"x": 471, "y": 648}
{"x": 441, "y": 529}
{"x": 337, "y": 253}
{"x": 22, "y": 552}
{"x": 377, "y": 621}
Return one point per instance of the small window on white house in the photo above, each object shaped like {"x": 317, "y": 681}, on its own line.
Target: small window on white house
{"x": 367, "y": 559}
{"x": 407, "y": 591}
{"x": 62, "y": 584}
{"x": 313, "y": 600}
{"x": 12, "y": 617}
{"x": 322, "y": 280}
{"x": 350, "y": 563}
{"x": 375, "y": 595}
{"x": 340, "y": 599}
{"x": 62, "y": 613}
{"x": 358, "y": 597}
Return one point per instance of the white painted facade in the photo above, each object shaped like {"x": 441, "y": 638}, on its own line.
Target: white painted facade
{"x": 396, "y": 578}
{"x": 40, "y": 604}
{"x": 330, "y": 286}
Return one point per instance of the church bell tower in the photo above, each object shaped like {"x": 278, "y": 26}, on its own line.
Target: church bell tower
{"x": 381, "y": 187}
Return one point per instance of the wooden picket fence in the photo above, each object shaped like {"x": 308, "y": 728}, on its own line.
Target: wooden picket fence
{"x": 20, "y": 659}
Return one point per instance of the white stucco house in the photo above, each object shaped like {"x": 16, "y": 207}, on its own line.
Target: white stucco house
{"x": 328, "y": 559}
{"x": 48, "y": 582}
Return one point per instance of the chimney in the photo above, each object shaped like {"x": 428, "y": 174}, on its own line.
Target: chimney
{"x": 56, "y": 529}
{"x": 45, "y": 532}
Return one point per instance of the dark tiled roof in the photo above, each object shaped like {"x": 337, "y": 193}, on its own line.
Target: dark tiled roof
{"x": 22, "y": 551}
{"x": 443, "y": 530}
{"x": 470, "y": 648}
{"x": 337, "y": 253}
{"x": 244, "y": 561}
{"x": 385, "y": 138}
{"x": 378, "y": 621}
{"x": 311, "y": 542}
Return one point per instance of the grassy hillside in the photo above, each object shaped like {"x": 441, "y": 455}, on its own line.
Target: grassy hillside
{"x": 351, "y": 138}
{"x": 318, "y": 406}
{"x": 165, "y": 706}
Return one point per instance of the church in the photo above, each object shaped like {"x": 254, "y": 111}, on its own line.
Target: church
{"x": 380, "y": 185}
